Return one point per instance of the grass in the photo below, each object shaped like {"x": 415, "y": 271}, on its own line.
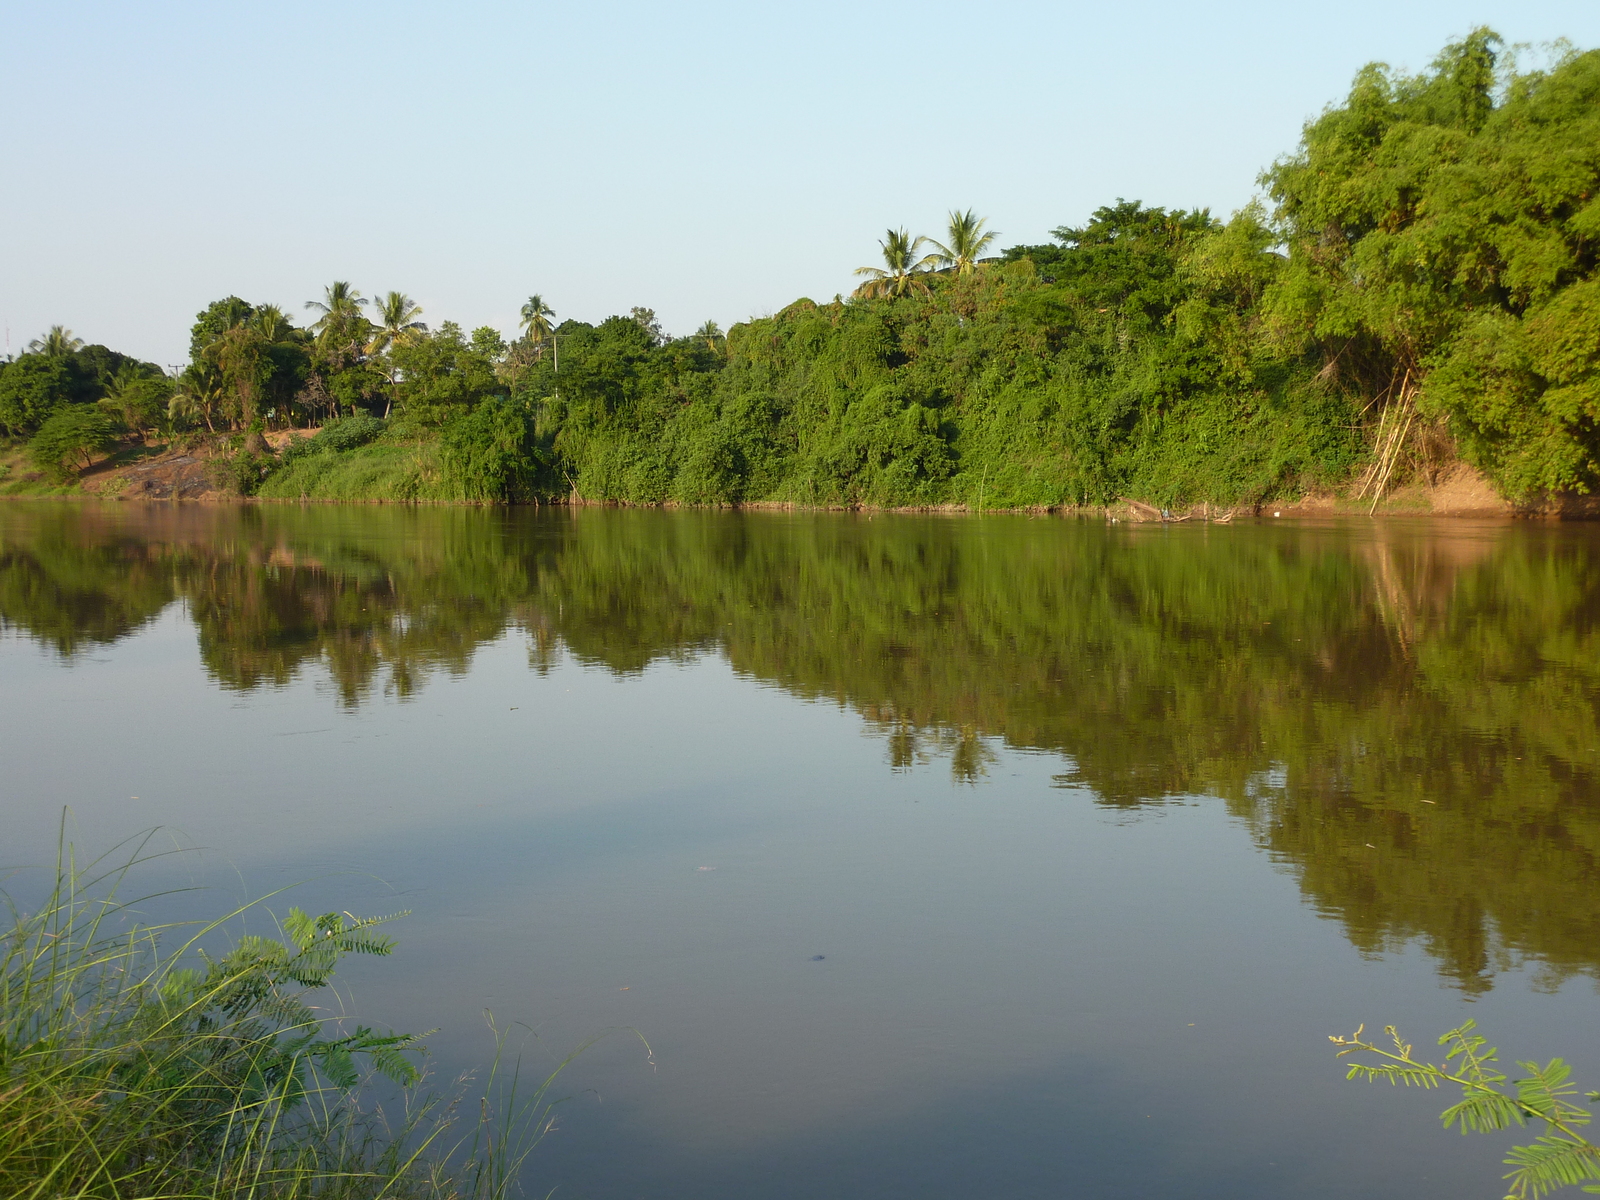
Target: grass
{"x": 375, "y": 472}
{"x": 19, "y": 477}
{"x": 147, "y": 1061}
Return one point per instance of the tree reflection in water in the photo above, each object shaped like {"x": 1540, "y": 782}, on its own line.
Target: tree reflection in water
{"x": 1403, "y": 714}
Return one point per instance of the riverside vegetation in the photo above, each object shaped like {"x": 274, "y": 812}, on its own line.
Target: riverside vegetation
{"x": 1405, "y": 721}
{"x": 1419, "y": 289}
{"x": 1422, "y": 288}
{"x": 166, "y": 1061}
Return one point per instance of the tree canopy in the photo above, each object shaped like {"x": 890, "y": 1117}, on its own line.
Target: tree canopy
{"x": 1442, "y": 232}
{"x": 1416, "y": 286}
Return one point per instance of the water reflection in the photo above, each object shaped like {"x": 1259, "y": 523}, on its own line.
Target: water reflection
{"x": 1405, "y": 716}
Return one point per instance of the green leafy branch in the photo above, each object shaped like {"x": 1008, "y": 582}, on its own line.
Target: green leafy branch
{"x": 1559, "y": 1157}
{"x": 241, "y": 1026}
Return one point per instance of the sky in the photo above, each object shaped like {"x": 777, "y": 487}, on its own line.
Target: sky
{"x": 707, "y": 160}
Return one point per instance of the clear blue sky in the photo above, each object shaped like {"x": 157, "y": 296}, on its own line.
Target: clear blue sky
{"x": 707, "y": 160}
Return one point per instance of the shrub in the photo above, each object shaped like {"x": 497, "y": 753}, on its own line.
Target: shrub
{"x": 297, "y": 448}
{"x": 490, "y": 452}
{"x": 244, "y": 472}
{"x": 69, "y": 440}
{"x": 349, "y": 432}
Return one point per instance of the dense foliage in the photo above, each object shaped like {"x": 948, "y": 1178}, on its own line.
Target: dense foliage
{"x": 1005, "y": 386}
{"x": 1443, "y": 232}
{"x": 1422, "y": 288}
{"x": 58, "y": 371}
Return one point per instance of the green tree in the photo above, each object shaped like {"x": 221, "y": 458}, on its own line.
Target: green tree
{"x": 711, "y": 334}
{"x": 217, "y": 317}
{"x": 488, "y": 344}
{"x": 240, "y": 356}
{"x": 345, "y": 374}
{"x": 645, "y": 318}
{"x": 1443, "y": 235}
{"x": 441, "y": 373}
{"x": 71, "y": 438}
{"x": 139, "y": 401}
{"x": 272, "y": 323}
{"x": 340, "y": 307}
{"x": 901, "y": 270}
{"x": 202, "y": 389}
{"x": 245, "y": 361}
{"x": 397, "y": 321}
{"x": 57, "y": 342}
{"x": 98, "y": 369}
{"x": 197, "y": 398}
{"x": 397, "y": 324}
{"x": 490, "y": 452}
{"x": 536, "y": 316}
{"x": 968, "y": 240}
{"x": 33, "y": 387}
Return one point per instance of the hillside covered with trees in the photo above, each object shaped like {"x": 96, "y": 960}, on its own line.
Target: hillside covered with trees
{"x": 1418, "y": 287}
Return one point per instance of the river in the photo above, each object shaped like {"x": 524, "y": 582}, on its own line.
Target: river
{"x": 933, "y": 857}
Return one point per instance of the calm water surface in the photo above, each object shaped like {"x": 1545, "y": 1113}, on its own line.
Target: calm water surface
{"x": 1099, "y": 830}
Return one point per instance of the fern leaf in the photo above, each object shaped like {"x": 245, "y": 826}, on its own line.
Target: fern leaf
{"x": 329, "y": 924}
{"x": 309, "y": 975}
{"x": 379, "y": 944}
{"x": 180, "y": 985}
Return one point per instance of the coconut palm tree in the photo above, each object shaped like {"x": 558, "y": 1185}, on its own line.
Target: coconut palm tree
{"x": 57, "y": 343}
{"x": 711, "y": 334}
{"x": 339, "y": 306}
{"x": 536, "y": 316}
{"x": 198, "y": 397}
{"x": 968, "y": 241}
{"x": 272, "y": 323}
{"x": 397, "y": 322}
{"x": 903, "y": 266}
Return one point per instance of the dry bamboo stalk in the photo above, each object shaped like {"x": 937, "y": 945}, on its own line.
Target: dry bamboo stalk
{"x": 1379, "y": 439}
{"x": 1399, "y": 445}
{"x": 1377, "y": 466}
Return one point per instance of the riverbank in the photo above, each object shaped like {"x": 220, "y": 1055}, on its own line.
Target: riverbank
{"x": 205, "y": 470}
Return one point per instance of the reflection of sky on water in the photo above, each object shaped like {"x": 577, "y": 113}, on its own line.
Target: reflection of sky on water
{"x": 1023, "y": 993}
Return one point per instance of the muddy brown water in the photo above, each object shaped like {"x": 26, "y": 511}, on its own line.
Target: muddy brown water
{"x": 933, "y": 857}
